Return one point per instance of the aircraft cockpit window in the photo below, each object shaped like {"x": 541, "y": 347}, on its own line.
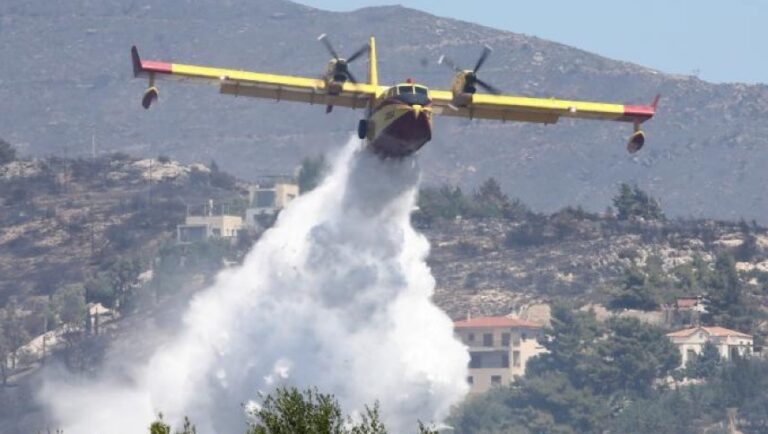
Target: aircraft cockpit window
{"x": 413, "y": 95}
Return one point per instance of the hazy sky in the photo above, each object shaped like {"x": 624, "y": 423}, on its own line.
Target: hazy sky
{"x": 721, "y": 40}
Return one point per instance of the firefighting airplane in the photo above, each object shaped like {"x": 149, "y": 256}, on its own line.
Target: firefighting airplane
{"x": 398, "y": 118}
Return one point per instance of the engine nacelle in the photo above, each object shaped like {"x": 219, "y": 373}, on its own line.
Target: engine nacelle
{"x": 336, "y": 74}
{"x": 636, "y": 142}
{"x": 150, "y": 97}
{"x": 462, "y": 89}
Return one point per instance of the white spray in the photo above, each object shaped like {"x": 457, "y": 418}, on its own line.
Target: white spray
{"x": 335, "y": 296}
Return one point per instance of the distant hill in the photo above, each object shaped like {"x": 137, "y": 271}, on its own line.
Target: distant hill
{"x": 65, "y": 77}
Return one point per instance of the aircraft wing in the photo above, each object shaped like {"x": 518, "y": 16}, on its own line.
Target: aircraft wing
{"x": 540, "y": 110}
{"x": 254, "y": 84}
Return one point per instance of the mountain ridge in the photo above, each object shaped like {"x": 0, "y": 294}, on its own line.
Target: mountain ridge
{"x": 703, "y": 156}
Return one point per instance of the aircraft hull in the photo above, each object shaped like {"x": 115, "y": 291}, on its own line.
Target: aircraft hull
{"x": 400, "y": 131}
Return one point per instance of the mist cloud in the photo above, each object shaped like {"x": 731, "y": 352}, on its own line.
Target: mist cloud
{"x": 336, "y": 295}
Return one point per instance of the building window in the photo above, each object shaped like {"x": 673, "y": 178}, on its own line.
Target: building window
{"x": 516, "y": 341}
{"x": 516, "y": 359}
{"x": 505, "y": 339}
{"x": 470, "y": 380}
{"x": 524, "y": 336}
{"x": 487, "y": 339}
{"x": 505, "y": 360}
{"x": 496, "y": 380}
{"x": 475, "y": 360}
{"x": 690, "y": 355}
{"x": 734, "y": 353}
{"x": 471, "y": 337}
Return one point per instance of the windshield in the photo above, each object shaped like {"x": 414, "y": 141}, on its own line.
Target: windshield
{"x": 413, "y": 95}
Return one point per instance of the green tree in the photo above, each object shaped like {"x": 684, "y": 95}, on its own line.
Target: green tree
{"x": 631, "y": 202}
{"x": 160, "y": 427}
{"x": 15, "y": 333}
{"x": 98, "y": 289}
{"x": 489, "y": 200}
{"x": 445, "y": 202}
{"x": 547, "y": 403}
{"x": 706, "y": 365}
{"x": 221, "y": 179}
{"x": 570, "y": 344}
{"x": 291, "y": 411}
{"x": 726, "y": 302}
{"x": 312, "y": 172}
{"x": 7, "y": 152}
{"x": 370, "y": 422}
{"x": 632, "y": 355}
{"x": 637, "y": 291}
{"x": 123, "y": 276}
{"x": 69, "y": 305}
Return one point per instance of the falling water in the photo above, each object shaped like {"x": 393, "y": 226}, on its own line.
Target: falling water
{"x": 337, "y": 295}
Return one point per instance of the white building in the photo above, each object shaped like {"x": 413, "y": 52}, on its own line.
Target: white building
{"x": 268, "y": 200}
{"x": 201, "y": 228}
{"x": 729, "y": 343}
{"x": 499, "y": 349}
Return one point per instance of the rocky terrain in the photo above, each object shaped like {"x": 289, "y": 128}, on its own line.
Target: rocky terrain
{"x": 68, "y": 79}
{"x": 480, "y": 271}
{"x": 66, "y": 221}
{"x": 63, "y": 221}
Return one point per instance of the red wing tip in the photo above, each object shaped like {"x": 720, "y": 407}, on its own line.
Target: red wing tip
{"x": 154, "y": 66}
{"x": 639, "y": 111}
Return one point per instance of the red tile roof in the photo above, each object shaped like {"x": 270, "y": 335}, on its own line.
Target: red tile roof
{"x": 687, "y": 302}
{"x": 495, "y": 321}
{"x": 712, "y": 331}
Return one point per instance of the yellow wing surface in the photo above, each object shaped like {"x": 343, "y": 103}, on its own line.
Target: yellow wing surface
{"x": 541, "y": 110}
{"x": 254, "y": 84}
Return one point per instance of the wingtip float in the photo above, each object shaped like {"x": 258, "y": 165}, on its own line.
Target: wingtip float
{"x": 399, "y": 118}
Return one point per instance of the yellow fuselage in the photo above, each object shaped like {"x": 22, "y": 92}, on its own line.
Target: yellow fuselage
{"x": 400, "y": 122}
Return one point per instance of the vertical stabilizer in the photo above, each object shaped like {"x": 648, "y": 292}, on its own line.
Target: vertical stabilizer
{"x": 373, "y": 70}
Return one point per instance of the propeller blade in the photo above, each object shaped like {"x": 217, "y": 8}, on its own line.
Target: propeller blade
{"x": 445, "y": 60}
{"x": 487, "y": 87}
{"x": 358, "y": 53}
{"x": 324, "y": 39}
{"x": 483, "y": 57}
{"x": 351, "y": 77}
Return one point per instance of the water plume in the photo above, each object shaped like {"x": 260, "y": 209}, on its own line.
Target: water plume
{"x": 337, "y": 295}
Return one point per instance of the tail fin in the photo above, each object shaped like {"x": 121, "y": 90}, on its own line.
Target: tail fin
{"x": 373, "y": 69}
{"x": 136, "y": 61}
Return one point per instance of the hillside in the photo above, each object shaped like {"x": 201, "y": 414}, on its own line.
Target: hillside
{"x": 70, "y": 79}
{"x": 65, "y": 221}
{"x": 78, "y": 223}
{"x": 70, "y": 221}
{"x": 482, "y": 270}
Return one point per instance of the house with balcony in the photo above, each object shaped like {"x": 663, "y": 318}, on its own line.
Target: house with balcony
{"x": 729, "y": 343}
{"x": 499, "y": 349}
{"x": 198, "y": 228}
{"x": 267, "y": 199}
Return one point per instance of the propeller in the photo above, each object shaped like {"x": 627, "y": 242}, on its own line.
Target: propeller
{"x": 470, "y": 76}
{"x": 342, "y": 64}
